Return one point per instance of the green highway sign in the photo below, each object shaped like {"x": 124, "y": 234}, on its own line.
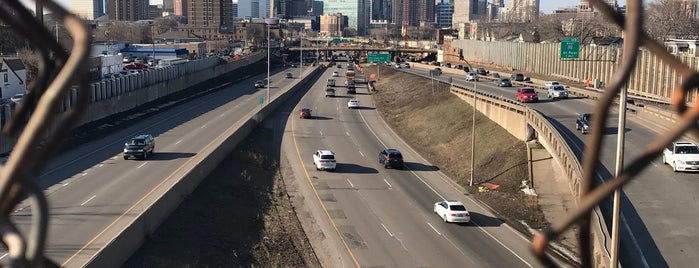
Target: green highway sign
{"x": 378, "y": 57}
{"x": 339, "y": 40}
{"x": 570, "y": 48}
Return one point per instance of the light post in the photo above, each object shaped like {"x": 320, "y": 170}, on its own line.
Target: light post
{"x": 473, "y": 130}
{"x": 301, "y": 57}
{"x": 152, "y": 33}
{"x": 269, "y": 21}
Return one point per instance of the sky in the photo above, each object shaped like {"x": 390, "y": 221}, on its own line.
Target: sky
{"x": 546, "y": 6}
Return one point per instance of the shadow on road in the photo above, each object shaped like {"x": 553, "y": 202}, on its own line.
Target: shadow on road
{"x": 414, "y": 166}
{"x": 484, "y": 220}
{"x": 354, "y": 169}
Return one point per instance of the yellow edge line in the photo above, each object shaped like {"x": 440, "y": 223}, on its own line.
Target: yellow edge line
{"x": 308, "y": 178}
{"x": 137, "y": 203}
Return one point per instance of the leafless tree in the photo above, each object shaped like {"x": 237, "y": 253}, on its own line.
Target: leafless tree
{"x": 164, "y": 24}
{"x": 670, "y": 19}
{"x": 31, "y": 62}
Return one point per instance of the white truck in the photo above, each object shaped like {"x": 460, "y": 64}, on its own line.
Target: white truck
{"x": 682, "y": 156}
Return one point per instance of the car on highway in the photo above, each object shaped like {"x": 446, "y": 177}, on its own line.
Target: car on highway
{"x": 391, "y": 158}
{"x": 398, "y": 66}
{"x": 582, "y": 122}
{"x": 552, "y": 83}
{"x": 682, "y": 156}
{"x": 437, "y": 71}
{"x": 406, "y": 65}
{"x": 472, "y": 77}
{"x": 289, "y": 75}
{"x": 336, "y": 74}
{"x": 259, "y": 84}
{"x": 557, "y": 92}
{"x": 139, "y": 146}
{"x": 503, "y": 82}
{"x": 351, "y": 89}
{"x": 330, "y": 92}
{"x": 452, "y": 211}
{"x": 305, "y": 113}
{"x": 481, "y": 71}
{"x": 353, "y": 103}
{"x": 517, "y": 77}
{"x": 527, "y": 94}
{"x": 324, "y": 160}
{"x": 494, "y": 75}
{"x": 17, "y": 98}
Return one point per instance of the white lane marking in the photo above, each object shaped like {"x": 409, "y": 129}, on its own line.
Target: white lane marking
{"x": 441, "y": 197}
{"x": 503, "y": 245}
{"x": 360, "y": 152}
{"x": 222, "y": 115}
{"x": 203, "y": 126}
{"x": 3, "y": 256}
{"x": 386, "y": 181}
{"x": 435, "y": 229}
{"x": 88, "y": 200}
{"x": 178, "y": 142}
{"x": 66, "y": 184}
{"x": 350, "y": 183}
{"x": 321, "y": 132}
{"x": 347, "y": 133}
{"x": 386, "y": 228}
{"x": 100, "y": 165}
{"x": 140, "y": 166}
{"x": 83, "y": 174}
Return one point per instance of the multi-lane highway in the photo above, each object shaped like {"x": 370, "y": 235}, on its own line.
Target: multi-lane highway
{"x": 93, "y": 191}
{"x": 659, "y": 208}
{"x": 365, "y": 215}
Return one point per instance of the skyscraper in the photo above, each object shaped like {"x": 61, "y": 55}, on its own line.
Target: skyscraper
{"x": 466, "y": 11}
{"x": 87, "y": 9}
{"x": 180, "y": 7}
{"x": 128, "y": 10}
{"x": 210, "y": 13}
{"x": 252, "y": 8}
{"x": 443, "y": 13}
{"x": 357, "y": 12}
{"x": 381, "y": 10}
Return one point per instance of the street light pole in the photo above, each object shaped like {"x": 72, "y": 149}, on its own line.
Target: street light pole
{"x": 268, "y": 62}
{"x": 301, "y": 57}
{"x": 473, "y": 133}
{"x": 614, "y": 255}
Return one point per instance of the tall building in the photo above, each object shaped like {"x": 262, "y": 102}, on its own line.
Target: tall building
{"x": 425, "y": 10}
{"x": 235, "y": 10}
{"x": 381, "y": 10}
{"x": 523, "y": 10}
{"x": 466, "y": 11}
{"x": 252, "y": 8}
{"x": 180, "y": 7}
{"x": 168, "y": 6}
{"x": 210, "y": 13}
{"x": 316, "y": 8}
{"x": 443, "y": 13}
{"x": 87, "y": 9}
{"x": 128, "y": 10}
{"x": 292, "y": 8}
{"x": 585, "y": 5}
{"x": 357, "y": 12}
{"x": 331, "y": 25}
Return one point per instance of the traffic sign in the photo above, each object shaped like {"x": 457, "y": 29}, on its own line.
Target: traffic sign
{"x": 570, "y": 48}
{"x": 378, "y": 57}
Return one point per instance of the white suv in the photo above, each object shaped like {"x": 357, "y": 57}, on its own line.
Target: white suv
{"x": 324, "y": 160}
{"x": 682, "y": 156}
{"x": 557, "y": 92}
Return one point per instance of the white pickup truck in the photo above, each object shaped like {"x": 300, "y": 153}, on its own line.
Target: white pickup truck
{"x": 682, "y": 156}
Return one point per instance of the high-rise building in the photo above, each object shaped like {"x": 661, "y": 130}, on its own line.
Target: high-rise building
{"x": 128, "y": 10}
{"x": 466, "y": 11}
{"x": 357, "y": 12}
{"x": 210, "y": 13}
{"x": 443, "y": 13}
{"x": 585, "y": 5}
{"x": 235, "y": 10}
{"x": 252, "y": 8}
{"x": 425, "y": 11}
{"x": 317, "y": 9}
{"x": 168, "y": 5}
{"x": 331, "y": 25}
{"x": 523, "y": 10}
{"x": 381, "y": 10}
{"x": 87, "y": 9}
{"x": 180, "y": 7}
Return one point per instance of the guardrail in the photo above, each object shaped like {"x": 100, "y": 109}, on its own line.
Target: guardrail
{"x": 554, "y": 143}
{"x": 154, "y": 208}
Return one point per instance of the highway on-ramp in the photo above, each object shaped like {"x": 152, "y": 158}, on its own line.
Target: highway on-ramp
{"x": 365, "y": 215}
{"x": 92, "y": 191}
{"x": 659, "y": 207}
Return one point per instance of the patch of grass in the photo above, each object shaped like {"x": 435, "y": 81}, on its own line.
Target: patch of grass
{"x": 439, "y": 126}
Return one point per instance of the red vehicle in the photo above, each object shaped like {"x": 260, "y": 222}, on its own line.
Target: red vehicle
{"x": 136, "y": 66}
{"x": 527, "y": 94}
{"x": 305, "y": 113}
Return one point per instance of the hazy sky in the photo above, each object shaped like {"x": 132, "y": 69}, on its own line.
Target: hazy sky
{"x": 546, "y": 5}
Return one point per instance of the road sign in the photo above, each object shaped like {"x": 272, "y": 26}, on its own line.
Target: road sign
{"x": 262, "y": 99}
{"x": 378, "y": 57}
{"x": 570, "y": 48}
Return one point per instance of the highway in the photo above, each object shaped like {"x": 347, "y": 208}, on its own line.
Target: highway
{"x": 659, "y": 207}
{"x": 93, "y": 192}
{"x": 365, "y": 215}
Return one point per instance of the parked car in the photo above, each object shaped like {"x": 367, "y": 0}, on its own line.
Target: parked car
{"x": 353, "y": 103}
{"x": 135, "y": 65}
{"x": 391, "y": 158}
{"x": 447, "y": 65}
{"x": 503, "y": 82}
{"x": 305, "y": 113}
{"x": 139, "y": 146}
{"x": 582, "y": 123}
{"x": 682, "y": 156}
{"x": 517, "y": 77}
{"x": 481, "y": 71}
{"x": 452, "y": 211}
{"x": 324, "y": 160}
{"x": 557, "y": 92}
{"x": 472, "y": 76}
{"x": 259, "y": 84}
{"x": 127, "y": 59}
{"x": 527, "y": 94}
{"x": 289, "y": 75}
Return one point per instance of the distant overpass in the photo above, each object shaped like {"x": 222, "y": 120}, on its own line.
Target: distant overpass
{"x": 367, "y": 49}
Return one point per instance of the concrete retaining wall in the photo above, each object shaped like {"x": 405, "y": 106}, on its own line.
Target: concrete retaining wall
{"x": 126, "y": 235}
{"x": 517, "y": 120}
